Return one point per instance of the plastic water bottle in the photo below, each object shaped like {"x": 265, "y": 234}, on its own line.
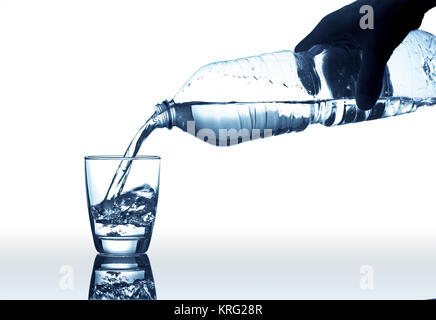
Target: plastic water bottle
{"x": 229, "y": 102}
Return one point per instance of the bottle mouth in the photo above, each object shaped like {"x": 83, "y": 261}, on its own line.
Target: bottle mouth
{"x": 161, "y": 107}
{"x": 165, "y": 114}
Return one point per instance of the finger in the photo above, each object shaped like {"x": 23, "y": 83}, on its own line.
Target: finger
{"x": 331, "y": 26}
{"x": 317, "y": 36}
{"x": 370, "y": 79}
{"x": 308, "y": 42}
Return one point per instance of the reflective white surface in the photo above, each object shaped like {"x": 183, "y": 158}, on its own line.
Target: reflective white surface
{"x": 284, "y": 266}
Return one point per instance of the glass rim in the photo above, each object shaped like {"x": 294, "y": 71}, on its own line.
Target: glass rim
{"x": 118, "y": 157}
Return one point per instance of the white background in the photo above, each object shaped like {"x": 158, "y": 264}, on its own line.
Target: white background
{"x": 293, "y": 216}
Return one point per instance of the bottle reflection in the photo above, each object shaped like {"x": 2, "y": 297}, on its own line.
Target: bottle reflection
{"x": 122, "y": 278}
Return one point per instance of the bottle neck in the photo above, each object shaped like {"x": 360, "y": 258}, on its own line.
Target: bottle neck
{"x": 165, "y": 114}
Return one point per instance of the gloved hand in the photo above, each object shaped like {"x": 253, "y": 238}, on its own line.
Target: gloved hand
{"x": 393, "y": 19}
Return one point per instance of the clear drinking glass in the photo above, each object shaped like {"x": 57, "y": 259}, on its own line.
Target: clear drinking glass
{"x": 122, "y": 224}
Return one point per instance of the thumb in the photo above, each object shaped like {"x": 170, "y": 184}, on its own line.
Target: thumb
{"x": 315, "y": 37}
{"x": 322, "y": 33}
{"x": 370, "y": 79}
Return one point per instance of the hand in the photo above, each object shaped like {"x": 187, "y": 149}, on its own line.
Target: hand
{"x": 392, "y": 21}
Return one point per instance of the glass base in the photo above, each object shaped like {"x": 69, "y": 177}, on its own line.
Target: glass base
{"x": 121, "y": 245}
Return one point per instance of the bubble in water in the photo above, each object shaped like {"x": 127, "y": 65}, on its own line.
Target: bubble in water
{"x": 135, "y": 207}
{"x": 117, "y": 286}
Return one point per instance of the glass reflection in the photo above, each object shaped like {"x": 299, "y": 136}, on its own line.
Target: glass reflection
{"x": 122, "y": 278}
